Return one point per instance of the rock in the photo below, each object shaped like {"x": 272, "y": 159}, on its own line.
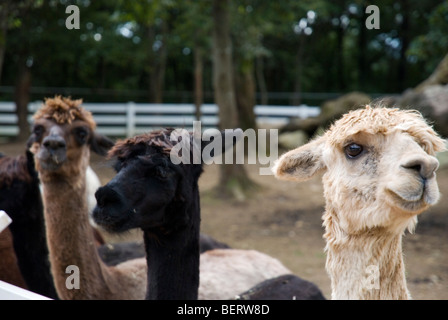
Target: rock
{"x": 443, "y": 159}
{"x": 333, "y": 109}
{"x": 439, "y": 76}
{"x": 330, "y": 111}
{"x": 432, "y": 102}
{"x": 292, "y": 140}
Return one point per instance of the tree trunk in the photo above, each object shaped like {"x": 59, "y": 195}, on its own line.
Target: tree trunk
{"x": 3, "y": 30}
{"x": 404, "y": 30}
{"x": 340, "y": 69}
{"x": 234, "y": 181}
{"x": 22, "y": 98}
{"x": 259, "y": 66}
{"x": 245, "y": 94}
{"x": 362, "y": 45}
{"x": 157, "y": 60}
{"x": 222, "y": 66}
{"x": 198, "y": 81}
{"x": 299, "y": 67}
{"x": 159, "y": 76}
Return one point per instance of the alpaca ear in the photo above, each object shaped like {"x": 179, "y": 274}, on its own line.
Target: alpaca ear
{"x": 302, "y": 163}
{"x": 30, "y": 164}
{"x": 100, "y": 144}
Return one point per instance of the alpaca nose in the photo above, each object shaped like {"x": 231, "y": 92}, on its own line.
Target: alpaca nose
{"x": 106, "y": 195}
{"x": 424, "y": 165}
{"x": 54, "y": 142}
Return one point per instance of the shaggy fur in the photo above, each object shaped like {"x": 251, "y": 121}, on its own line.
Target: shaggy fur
{"x": 371, "y": 197}
{"x": 63, "y": 110}
{"x": 127, "y": 148}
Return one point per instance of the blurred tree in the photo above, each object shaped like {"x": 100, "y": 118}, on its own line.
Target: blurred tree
{"x": 247, "y": 29}
{"x": 10, "y": 17}
{"x": 129, "y": 48}
{"x": 194, "y": 27}
{"x": 234, "y": 181}
{"x": 154, "y": 17}
{"x": 426, "y": 49}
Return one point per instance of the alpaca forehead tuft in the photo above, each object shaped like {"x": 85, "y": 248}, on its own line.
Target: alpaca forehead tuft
{"x": 64, "y": 110}
{"x": 158, "y": 138}
{"x": 380, "y": 120}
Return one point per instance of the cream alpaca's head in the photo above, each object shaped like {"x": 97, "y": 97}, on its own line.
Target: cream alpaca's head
{"x": 379, "y": 168}
{"x": 62, "y": 136}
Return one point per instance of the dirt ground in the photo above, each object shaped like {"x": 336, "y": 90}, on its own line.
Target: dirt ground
{"x": 283, "y": 219}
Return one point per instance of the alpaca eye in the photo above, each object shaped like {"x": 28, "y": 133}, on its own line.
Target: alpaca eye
{"x": 118, "y": 165}
{"x": 38, "y": 130}
{"x": 353, "y": 150}
{"x": 81, "y": 135}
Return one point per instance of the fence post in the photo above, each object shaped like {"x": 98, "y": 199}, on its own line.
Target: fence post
{"x": 130, "y": 119}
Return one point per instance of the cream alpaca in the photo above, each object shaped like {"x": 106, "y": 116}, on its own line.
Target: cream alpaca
{"x": 379, "y": 174}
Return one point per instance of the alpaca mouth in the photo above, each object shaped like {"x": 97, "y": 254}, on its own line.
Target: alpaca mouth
{"x": 111, "y": 213}
{"x": 110, "y": 222}
{"x": 51, "y": 161}
{"x": 414, "y": 201}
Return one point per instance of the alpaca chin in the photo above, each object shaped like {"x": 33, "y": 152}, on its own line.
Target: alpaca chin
{"x": 50, "y": 161}
{"x": 414, "y": 205}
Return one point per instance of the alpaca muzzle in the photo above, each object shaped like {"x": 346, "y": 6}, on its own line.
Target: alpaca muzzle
{"x": 108, "y": 212}
{"x": 52, "y": 153}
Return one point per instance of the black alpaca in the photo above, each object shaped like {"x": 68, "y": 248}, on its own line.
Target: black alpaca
{"x": 161, "y": 198}
{"x": 285, "y": 287}
{"x": 20, "y": 198}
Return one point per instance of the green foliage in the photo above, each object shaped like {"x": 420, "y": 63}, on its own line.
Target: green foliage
{"x": 432, "y": 46}
{"x": 118, "y": 44}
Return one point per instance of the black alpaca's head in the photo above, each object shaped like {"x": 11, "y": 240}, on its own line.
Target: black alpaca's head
{"x": 149, "y": 190}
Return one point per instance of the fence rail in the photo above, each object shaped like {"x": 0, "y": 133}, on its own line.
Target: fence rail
{"x": 128, "y": 119}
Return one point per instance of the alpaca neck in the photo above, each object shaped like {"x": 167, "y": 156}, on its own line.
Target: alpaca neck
{"x": 69, "y": 237}
{"x": 173, "y": 261}
{"x": 367, "y": 265}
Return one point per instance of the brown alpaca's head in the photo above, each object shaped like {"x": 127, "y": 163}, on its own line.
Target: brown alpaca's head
{"x": 379, "y": 168}
{"x": 62, "y": 135}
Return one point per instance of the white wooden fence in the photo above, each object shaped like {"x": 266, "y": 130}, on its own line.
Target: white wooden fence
{"x": 128, "y": 119}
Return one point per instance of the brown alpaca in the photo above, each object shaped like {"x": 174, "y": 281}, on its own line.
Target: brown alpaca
{"x": 379, "y": 174}
{"x": 63, "y": 134}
